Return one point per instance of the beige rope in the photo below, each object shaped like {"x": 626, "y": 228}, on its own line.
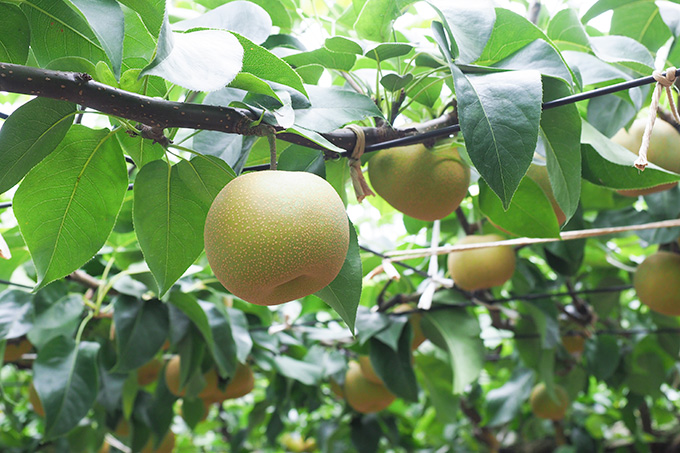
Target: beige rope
{"x": 401, "y": 255}
{"x": 662, "y": 82}
{"x": 361, "y": 188}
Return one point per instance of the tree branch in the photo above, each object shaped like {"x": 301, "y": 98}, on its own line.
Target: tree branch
{"x": 79, "y": 88}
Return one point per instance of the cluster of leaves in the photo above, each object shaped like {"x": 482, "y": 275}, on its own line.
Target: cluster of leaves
{"x": 148, "y": 291}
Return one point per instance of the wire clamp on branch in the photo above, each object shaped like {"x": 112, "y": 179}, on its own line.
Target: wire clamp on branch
{"x": 361, "y": 189}
{"x": 662, "y": 82}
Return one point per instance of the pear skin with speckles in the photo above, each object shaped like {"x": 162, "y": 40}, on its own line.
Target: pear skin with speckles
{"x": 276, "y": 236}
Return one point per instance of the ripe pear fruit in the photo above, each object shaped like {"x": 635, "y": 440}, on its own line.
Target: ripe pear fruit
{"x": 240, "y": 384}
{"x": 657, "y": 283}
{"x": 545, "y": 405}
{"x": 14, "y": 350}
{"x": 368, "y": 370}
{"x": 539, "y": 174}
{"x": 419, "y": 182}
{"x": 481, "y": 268}
{"x": 363, "y": 395}
{"x": 664, "y": 146}
{"x": 148, "y": 373}
{"x": 275, "y": 236}
{"x": 172, "y": 377}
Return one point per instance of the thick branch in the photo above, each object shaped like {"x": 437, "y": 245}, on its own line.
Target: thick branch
{"x": 79, "y": 88}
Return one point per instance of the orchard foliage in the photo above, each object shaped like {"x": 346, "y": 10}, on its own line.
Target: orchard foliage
{"x": 125, "y": 118}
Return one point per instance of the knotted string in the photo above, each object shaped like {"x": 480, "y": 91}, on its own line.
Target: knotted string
{"x": 361, "y": 188}
{"x": 662, "y": 82}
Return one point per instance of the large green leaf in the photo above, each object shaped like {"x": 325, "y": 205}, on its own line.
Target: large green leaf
{"x": 504, "y": 403}
{"x": 542, "y": 57}
{"x": 510, "y": 33}
{"x": 343, "y": 293}
{"x": 375, "y": 19}
{"x": 262, "y": 63}
{"x": 16, "y": 313}
{"x": 67, "y": 205}
{"x": 457, "y": 332}
{"x": 17, "y": 37}
{"x": 566, "y": 31}
{"x": 608, "y": 164}
{"x": 150, "y": 11}
{"x": 435, "y": 374}
{"x": 58, "y": 31}
{"x": 55, "y": 316}
{"x": 213, "y": 323}
{"x": 561, "y": 144}
{"x": 105, "y": 17}
{"x": 141, "y": 330}
{"x": 499, "y": 117}
{"x": 395, "y": 368}
{"x": 334, "y": 107}
{"x": 170, "y": 207}
{"x": 324, "y": 57}
{"x": 29, "y": 134}
{"x": 469, "y": 25}
{"x": 530, "y": 214}
{"x": 65, "y": 377}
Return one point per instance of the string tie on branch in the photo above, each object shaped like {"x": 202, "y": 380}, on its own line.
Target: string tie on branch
{"x": 361, "y": 188}
{"x": 663, "y": 82}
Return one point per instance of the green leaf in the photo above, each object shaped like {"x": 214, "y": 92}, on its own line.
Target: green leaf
{"x": 67, "y": 205}
{"x": 641, "y": 21}
{"x": 457, "y": 332}
{"x": 510, "y": 33}
{"x": 607, "y": 164}
{"x": 426, "y": 91}
{"x": 29, "y": 134}
{"x": 141, "y": 329}
{"x": 375, "y": 19}
{"x": 214, "y": 327}
{"x": 469, "y": 27}
{"x": 395, "y": 82}
{"x": 17, "y": 37}
{"x": 566, "y": 31}
{"x": 262, "y": 63}
{"x": 224, "y": 348}
{"x": 16, "y": 313}
{"x": 623, "y": 50}
{"x": 344, "y": 45}
{"x": 170, "y": 207}
{"x": 324, "y": 57}
{"x": 150, "y": 11}
{"x": 386, "y": 51}
{"x": 332, "y": 108}
{"x": 504, "y": 403}
{"x": 241, "y": 334}
{"x": 560, "y": 140}
{"x": 566, "y": 257}
{"x": 435, "y": 374}
{"x": 244, "y": 18}
{"x": 199, "y": 60}
{"x": 395, "y": 367}
{"x": 530, "y": 214}
{"x": 55, "y": 316}
{"x": 307, "y": 373}
{"x": 301, "y": 158}
{"x": 253, "y": 85}
{"x": 602, "y": 356}
{"x": 65, "y": 377}
{"x": 141, "y": 150}
{"x": 540, "y": 56}
{"x": 105, "y": 17}
{"x": 544, "y": 314}
{"x": 499, "y": 118}
{"x": 343, "y": 293}
{"x": 59, "y": 31}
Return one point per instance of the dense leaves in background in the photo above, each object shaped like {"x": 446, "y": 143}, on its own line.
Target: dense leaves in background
{"x": 108, "y": 278}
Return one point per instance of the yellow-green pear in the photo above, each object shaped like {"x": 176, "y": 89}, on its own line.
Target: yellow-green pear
{"x": 275, "y": 236}
{"x": 481, "y": 268}
{"x": 427, "y": 184}
{"x": 657, "y": 283}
